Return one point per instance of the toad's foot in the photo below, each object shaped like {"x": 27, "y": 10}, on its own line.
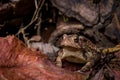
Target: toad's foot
{"x": 59, "y": 59}
{"x": 86, "y": 67}
{"x": 59, "y": 62}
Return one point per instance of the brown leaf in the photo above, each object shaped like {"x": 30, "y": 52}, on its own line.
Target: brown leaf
{"x": 99, "y": 75}
{"x": 108, "y": 69}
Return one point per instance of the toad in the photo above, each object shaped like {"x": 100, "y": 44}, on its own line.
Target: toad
{"x": 78, "y": 49}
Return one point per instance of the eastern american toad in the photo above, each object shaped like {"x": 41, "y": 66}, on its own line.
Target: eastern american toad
{"x": 78, "y": 49}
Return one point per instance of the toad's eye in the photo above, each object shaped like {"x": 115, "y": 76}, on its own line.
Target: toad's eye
{"x": 76, "y": 39}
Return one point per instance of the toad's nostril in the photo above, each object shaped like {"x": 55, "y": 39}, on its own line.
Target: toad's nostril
{"x": 81, "y": 38}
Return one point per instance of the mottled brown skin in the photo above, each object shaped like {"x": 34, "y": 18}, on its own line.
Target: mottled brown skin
{"x": 78, "y": 49}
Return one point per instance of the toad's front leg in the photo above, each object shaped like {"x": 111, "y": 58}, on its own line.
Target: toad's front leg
{"x": 59, "y": 59}
{"x": 91, "y": 61}
{"x": 87, "y": 66}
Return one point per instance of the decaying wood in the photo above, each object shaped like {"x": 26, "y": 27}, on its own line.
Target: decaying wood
{"x": 83, "y": 10}
{"x": 86, "y": 11}
{"x": 99, "y": 39}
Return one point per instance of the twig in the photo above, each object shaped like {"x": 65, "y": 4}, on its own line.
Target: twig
{"x": 36, "y": 5}
{"x": 40, "y": 4}
{"x": 34, "y": 18}
{"x": 1, "y": 25}
{"x": 22, "y": 30}
{"x": 38, "y": 26}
